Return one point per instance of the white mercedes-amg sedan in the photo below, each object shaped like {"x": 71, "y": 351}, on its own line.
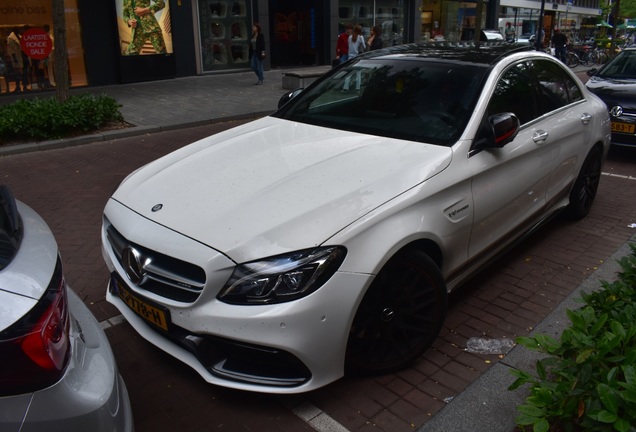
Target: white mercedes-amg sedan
{"x": 325, "y": 238}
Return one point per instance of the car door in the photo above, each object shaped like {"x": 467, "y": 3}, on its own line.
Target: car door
{"x": 510, "y": 183}
{"x": 567, "y": 118}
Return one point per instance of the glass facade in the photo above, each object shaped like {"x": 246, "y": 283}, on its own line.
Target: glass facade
{"x": 448, "y": 20}
{"x": 225, "y": 30}
{"x": 390, "y": 15}
{"x": 28, "y": 72}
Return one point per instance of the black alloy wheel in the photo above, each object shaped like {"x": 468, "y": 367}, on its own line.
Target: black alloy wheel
{"x": 399, "y": 317}
{"x": 586, "y": 185}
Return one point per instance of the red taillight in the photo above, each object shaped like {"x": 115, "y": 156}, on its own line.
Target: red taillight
{"x": 34, "y": 352}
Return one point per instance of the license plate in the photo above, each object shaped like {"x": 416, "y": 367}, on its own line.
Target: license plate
{"x": 623, "y": 128}
{"x": 150, "y": 313}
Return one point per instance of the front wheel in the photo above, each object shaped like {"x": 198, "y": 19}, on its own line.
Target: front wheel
{"x": 586, "y": 185}
{"x": 572, "y": 60}
{"x": 399, "y": 317}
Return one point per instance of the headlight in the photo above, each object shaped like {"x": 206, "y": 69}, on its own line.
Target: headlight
{"x": 282, "y": 278}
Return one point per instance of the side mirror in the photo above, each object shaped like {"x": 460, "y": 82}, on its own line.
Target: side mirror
{"x": 496, "y": 131}
{"x": 505, "y": 127}
{"x": 591, "y": 71}
{"x": 289, "y": 96}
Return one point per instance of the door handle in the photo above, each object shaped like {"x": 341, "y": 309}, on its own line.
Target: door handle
{"x": 540, "y": 136}
{"x": 586, "y": 118}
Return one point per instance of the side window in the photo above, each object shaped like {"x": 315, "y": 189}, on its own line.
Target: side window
{"x": 556, "y": 88}
{"x": 514, "y": 93}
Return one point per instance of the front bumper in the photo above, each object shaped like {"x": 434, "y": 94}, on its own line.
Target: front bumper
{"x": 624, "y": 130}
{"x": 286, "y": 348}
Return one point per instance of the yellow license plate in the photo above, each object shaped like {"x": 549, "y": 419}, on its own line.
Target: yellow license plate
{"x": 623, "y": 128}
{"x": 148, "y": 312}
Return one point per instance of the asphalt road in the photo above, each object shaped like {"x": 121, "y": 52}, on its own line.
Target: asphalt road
{"x": 69, "y": 187}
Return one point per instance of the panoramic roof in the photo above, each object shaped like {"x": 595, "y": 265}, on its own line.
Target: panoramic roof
{"x": 485, "y": 53}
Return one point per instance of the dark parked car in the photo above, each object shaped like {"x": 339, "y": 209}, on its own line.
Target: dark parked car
{"x": 615, "y": 84}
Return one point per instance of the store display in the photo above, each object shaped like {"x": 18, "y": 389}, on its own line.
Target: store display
{"x": 225, "y": 35}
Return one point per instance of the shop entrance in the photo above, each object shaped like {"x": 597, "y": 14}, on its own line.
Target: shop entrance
{"x": 296, "y": 29}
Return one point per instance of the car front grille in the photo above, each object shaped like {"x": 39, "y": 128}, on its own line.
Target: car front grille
{"x": 155, "y": 272}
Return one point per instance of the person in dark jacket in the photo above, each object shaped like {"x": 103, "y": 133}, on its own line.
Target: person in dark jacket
{"x": 375, "y": 41}
{"x": 257, "y": 52}
{"x": 560, "y": 42}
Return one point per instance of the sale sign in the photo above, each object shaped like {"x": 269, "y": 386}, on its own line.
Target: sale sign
{"x": 36, "y": 43}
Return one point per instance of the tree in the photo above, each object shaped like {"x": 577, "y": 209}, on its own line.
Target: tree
{"x": 628, "y": 9}
{"x": 61, "y": 55}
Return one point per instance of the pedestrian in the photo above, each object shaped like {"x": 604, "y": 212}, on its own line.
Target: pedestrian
{"x": 541, "y": 37}
{"x": 342, "y": 46}
{"x": 356, "y": 42}
{"x": 140, "y": 16}
{"x": 510, "y": 33}
{"x": 257, "y": 52}
{"x": 560, "y": 42}
{"x": 375, "y": 40}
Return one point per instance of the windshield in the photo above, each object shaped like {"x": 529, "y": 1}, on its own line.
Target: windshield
{"x": 417, "y": 100}
{"x": 621, "y": 66}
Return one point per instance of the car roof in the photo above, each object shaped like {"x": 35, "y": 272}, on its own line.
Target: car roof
{"x": 484, "y": 53}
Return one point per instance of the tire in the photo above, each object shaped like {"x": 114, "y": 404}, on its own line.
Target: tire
{"x": 572, "y": 60}
{"x": 399, "y": 317}
{"x": 586, "y": 185}
{"x": 586, "y": 59}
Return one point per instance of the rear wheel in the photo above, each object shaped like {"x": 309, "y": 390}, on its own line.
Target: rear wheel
{"x": 399, "y": 317}
{"x": 586, "y": 185}
{"x": 572, "y": 60}
{"x": 586, "y": 59}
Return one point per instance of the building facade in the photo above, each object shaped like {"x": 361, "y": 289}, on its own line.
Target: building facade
{"x": 119, "y": 41}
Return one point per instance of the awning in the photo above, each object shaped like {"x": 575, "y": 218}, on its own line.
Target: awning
{"x": 604, "y": 24}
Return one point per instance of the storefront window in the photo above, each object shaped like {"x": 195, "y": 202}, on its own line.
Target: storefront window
{"x": 225, "y": 32}
{"x": 447, "y": 20}
{"x": 32, "y": 72}
{"x": 368, "y": 13}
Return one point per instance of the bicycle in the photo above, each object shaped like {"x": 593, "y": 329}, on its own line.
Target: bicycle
{"x": 586, "y": 57}
{"x": 598, "y": 56}
{"x": 571, "y": 59}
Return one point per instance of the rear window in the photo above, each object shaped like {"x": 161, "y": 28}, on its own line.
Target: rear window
{"x": 10, "y": 227}
{"x": 425, "y": 101}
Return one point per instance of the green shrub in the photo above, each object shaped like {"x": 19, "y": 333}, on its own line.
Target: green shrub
{"x": 41, "y": 119}
{"x": 588, "y": 380}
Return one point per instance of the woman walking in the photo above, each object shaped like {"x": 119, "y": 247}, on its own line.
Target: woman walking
{"x": 356, "y": 42}
{"x": 257, "y": 52}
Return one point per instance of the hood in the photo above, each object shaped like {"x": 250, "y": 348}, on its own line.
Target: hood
{"x": 614, "y": 91}
{"x": 273, "y": 186}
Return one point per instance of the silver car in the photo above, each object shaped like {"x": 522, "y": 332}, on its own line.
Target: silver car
{"x": 57, "y": 370}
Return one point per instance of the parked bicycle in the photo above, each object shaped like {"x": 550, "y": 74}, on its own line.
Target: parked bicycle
{"x": 571, "y": 59}
{"x": 599, "y": 56}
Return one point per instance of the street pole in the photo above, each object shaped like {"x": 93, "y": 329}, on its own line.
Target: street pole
{"x": 539, "y": 41}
